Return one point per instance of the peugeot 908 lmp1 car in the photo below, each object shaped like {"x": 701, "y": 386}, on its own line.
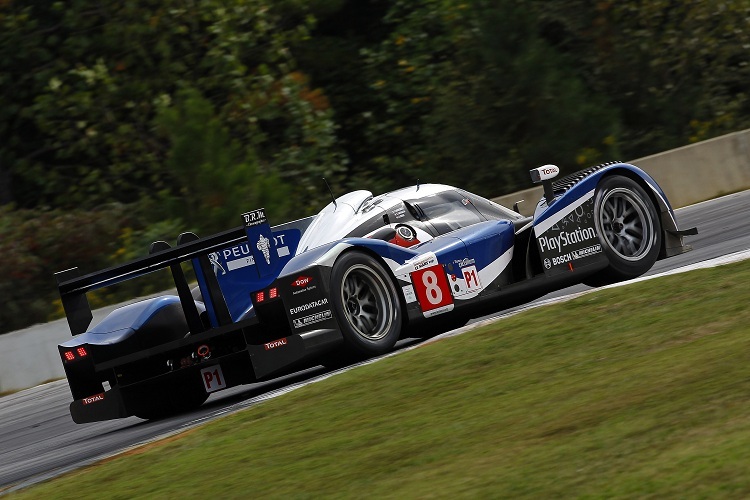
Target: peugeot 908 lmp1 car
{"x": 348, "y": 282}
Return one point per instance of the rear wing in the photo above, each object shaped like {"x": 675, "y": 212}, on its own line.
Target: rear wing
{"x": 205, "y": 256}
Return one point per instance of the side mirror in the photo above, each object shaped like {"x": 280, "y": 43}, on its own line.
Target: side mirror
{"x": 545, "y": 174}
{"x": 515, "y": 206}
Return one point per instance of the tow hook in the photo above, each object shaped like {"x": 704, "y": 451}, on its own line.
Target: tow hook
{"x": 204, "y": 351}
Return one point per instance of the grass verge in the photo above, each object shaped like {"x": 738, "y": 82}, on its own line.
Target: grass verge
{"x": 640, "y": 391}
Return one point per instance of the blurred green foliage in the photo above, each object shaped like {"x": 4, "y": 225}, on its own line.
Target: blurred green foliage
{"x": 188, "y": 113}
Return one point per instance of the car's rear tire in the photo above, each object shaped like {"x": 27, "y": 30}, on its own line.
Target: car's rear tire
{"x": 366, "y": 304}
{"x": 628, "y": 226}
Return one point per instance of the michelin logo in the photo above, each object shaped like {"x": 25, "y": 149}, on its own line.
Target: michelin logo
{"x": 585, "y": 252}
{"x": 566, "y": 238}
{"x": 313, "y": 318}
{"x": 264, "y": 245}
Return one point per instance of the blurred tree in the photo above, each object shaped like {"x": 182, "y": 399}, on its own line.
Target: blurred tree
{"x": 81, "y": 84}
{"x": 676, "y": 71}
{"x": 332, "y": 57}
{"x": 216, "y": 178}
{"x": 471, "y": 94}
{"x": 37, "y": 243}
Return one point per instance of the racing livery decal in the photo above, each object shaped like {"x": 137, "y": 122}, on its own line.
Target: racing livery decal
{"x": 432, "y": 289}
{"x": 308, "y": 306}
{"x": 571, "y": 241}
{"x": 312, "y": 318}
{"x": 276, "y": 343}
{"x": 93, "y": 399}
{"x": 303, "y": 284}
{"x": 466, "y": 280}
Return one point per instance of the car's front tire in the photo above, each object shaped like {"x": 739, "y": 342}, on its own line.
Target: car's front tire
{"x": 366, "y": 304}
{"x": 628, "y": 226}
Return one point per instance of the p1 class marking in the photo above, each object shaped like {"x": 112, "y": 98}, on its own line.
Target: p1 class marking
{"x": 213, "y": 378}
{"x": 471, "y": 278}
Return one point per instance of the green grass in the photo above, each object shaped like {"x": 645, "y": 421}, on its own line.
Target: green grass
{"x": 640, "y": 392}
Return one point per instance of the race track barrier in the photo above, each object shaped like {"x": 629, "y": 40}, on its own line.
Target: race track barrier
{"x": 689, "y": 174}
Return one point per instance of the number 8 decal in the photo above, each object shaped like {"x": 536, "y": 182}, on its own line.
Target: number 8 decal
{"x": 434, "y": 294}
{"x": 432, "y": 290}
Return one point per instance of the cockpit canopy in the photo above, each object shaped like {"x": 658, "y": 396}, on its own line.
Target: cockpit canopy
{"x": 429, "y": 210}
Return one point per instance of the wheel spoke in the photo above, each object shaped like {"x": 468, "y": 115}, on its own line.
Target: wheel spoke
{"x": 369, "y": 322}
{"x": 631, "y": 247}
{"x": 634, "y": 231}
{"x": 349, "y": 288}
{"x": 629, "y": 210}
{"x": 618, "y": 207}
{"x": 619, "y": 246}
{"x": 358, "y": 322}
{"x": 359, "y": 289}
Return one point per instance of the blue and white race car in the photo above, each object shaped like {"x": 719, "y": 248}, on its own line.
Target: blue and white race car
{"x": 350, "y": 281}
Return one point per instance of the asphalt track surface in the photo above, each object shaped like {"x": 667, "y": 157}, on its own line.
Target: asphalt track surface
{"x": 38, "y": 439}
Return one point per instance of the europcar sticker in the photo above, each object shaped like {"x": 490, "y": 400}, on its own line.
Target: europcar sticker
{"x": 571, "y": 241}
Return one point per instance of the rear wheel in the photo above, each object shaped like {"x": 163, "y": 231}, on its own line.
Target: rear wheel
{"x": 628, "y": 226}
{"x": 366, "y": 303}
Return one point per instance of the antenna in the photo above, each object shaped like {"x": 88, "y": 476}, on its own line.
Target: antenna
{"x": 417, "y": 183}
{"x": 329, "y": 190}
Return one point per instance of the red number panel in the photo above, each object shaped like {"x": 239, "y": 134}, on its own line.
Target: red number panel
{"x": 432, "y": 290}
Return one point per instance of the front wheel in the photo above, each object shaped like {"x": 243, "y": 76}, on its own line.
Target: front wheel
{"x": 366, "y": 303}
{"x": 629, "y": 229}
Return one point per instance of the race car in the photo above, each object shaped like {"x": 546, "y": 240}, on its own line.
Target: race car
{"x": 347, "y": 283}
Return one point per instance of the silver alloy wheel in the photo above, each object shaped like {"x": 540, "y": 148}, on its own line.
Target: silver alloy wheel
{"x": 367, "y": 303}
{"x": 626, "y": 224}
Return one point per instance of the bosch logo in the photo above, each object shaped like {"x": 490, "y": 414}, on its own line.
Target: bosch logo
{"x": 547, "y": 264}
{"x": 562, "y": 259}
{"x": 302, "y": 281}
